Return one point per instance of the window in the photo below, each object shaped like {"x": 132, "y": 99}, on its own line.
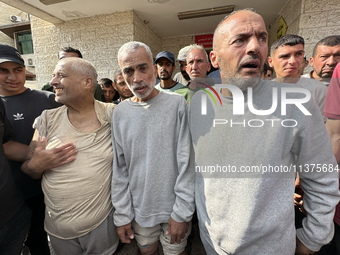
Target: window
{"x": 24, "y": 42}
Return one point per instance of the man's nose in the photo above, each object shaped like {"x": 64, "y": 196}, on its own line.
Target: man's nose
{"x": 253, "y": 45}
{"x": 137, "y": 77}
{"x": 54, "y": 81}
{"x": 332, "y": 61}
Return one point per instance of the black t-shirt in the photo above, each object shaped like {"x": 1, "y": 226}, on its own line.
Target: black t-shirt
{"x": 10, "y": 199}
{"x": 21, "y": 111}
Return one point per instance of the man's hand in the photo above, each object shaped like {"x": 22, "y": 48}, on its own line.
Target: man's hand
{"x": 177, "y": 230}
{"x": 301, "y": 249}
{"x": 40, "y": 159}
{"x": 298, "y": 202}
{"x": 125, "y": 233}
{"x": 298, "y": 196}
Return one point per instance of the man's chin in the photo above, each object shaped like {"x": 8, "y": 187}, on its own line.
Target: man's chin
{"x": 326, "y": 76}
{"x": 165, "y": 78}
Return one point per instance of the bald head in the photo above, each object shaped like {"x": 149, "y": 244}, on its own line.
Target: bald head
{"x": 74, "y": 81}
{"x": 232, "y": 18}
{"x": 80, "y": 67}
{"x": 240, "y": 48}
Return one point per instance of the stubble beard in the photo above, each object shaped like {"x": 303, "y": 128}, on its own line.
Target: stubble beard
{"x": 141, "y": 95}
{"x": 239, "y": 81}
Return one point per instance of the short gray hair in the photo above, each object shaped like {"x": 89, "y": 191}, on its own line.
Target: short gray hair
{"x": 83, "y": 67}
{"x": 133, "y": 47}
{"x": 116, "y": 73}
{"x": 199, "y": 47}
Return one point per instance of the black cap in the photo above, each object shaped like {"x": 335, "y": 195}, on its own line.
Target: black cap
{"x": 166, "y": 54}
{"x": 10, "y": 54}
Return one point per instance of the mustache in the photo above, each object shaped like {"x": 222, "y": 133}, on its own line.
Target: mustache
{"x": 164, "y": 71}
{"x": 250, "y": 57}
{"x": 329, "y": 66}
{"x": 138, "y": 85}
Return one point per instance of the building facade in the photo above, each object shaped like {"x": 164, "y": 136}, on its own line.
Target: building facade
{"x": 100, "y": 37}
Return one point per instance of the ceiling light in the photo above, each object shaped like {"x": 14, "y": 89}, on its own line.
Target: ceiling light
{"x": 49, "y": 2}
{"x": 206, "y": 12}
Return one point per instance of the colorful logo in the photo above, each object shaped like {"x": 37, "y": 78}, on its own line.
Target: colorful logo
{"x": 204, "y": 99}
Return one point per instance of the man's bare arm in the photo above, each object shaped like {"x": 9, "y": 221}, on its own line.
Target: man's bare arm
{"x": 333, "y": 128}
{"x": 15, "y": 151}
{"x": 39, "y": 159}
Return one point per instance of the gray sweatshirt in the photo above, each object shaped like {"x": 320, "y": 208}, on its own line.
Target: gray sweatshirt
{"x": 152, "y": 179}
{"x": 245, "y": 171}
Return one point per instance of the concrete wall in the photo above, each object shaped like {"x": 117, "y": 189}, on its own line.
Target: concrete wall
{"x": 311, "y": 19}
{"x": 174, "y": 44}
{"x": 318, "y": 20}
{"x": 98, "y": 38}
{"x": 291, "y": 14}
{"x": 143, "y": 33}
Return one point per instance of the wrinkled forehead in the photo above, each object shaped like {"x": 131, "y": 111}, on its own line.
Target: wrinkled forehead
{"x": 324, "y": 49}
{"x": 196, "y": 54}
{"x": 135, "y": 58}
{"x": 244, "y": 22}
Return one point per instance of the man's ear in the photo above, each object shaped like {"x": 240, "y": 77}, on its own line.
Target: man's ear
{"x": 209, "y": 67}
{"x": 88, "y": 82}
{"x": 270, "y": 61}
{"x": 155, "y": 70}
{"x": 311, "y": 61}
{"x": 214, "y": 59}
{"x": 114, "y": 85}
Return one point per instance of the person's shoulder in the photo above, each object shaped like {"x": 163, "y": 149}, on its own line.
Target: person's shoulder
{"x": 170, "y": 98}
{"x": 103, "y": 110}
{"x": 266, "y": 87}
{"x": 54, "y": 111}
{"x": 168, "y": 94}
{"x": 42, "y": 93}
{"x": 181, "y": 86}
{"x": 45, "y": 96}
{"x": 307, "y": 75}
{"x": 183, "y": 90}
{"x": 312, "y": 84}
{"x": 177, "y": 75}
{"x": 311, "y": 81}
{"x": 103, "y": 107}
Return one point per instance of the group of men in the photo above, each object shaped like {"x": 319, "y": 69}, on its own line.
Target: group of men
{"x": 139, "y": 169}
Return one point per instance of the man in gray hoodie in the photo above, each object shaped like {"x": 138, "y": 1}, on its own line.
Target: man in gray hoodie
{"x": 249, "y": 145}
{"x": 152, "y": 183}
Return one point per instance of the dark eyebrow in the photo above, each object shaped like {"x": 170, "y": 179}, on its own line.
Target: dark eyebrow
{"x": 128, "y": 68}
{"x": 284, "y": 55}
{"x": 263, "y": 33}
{"x": 16, "y": 68}
{"x": 132, "y": 68}
{"x": 142, "y": 65}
